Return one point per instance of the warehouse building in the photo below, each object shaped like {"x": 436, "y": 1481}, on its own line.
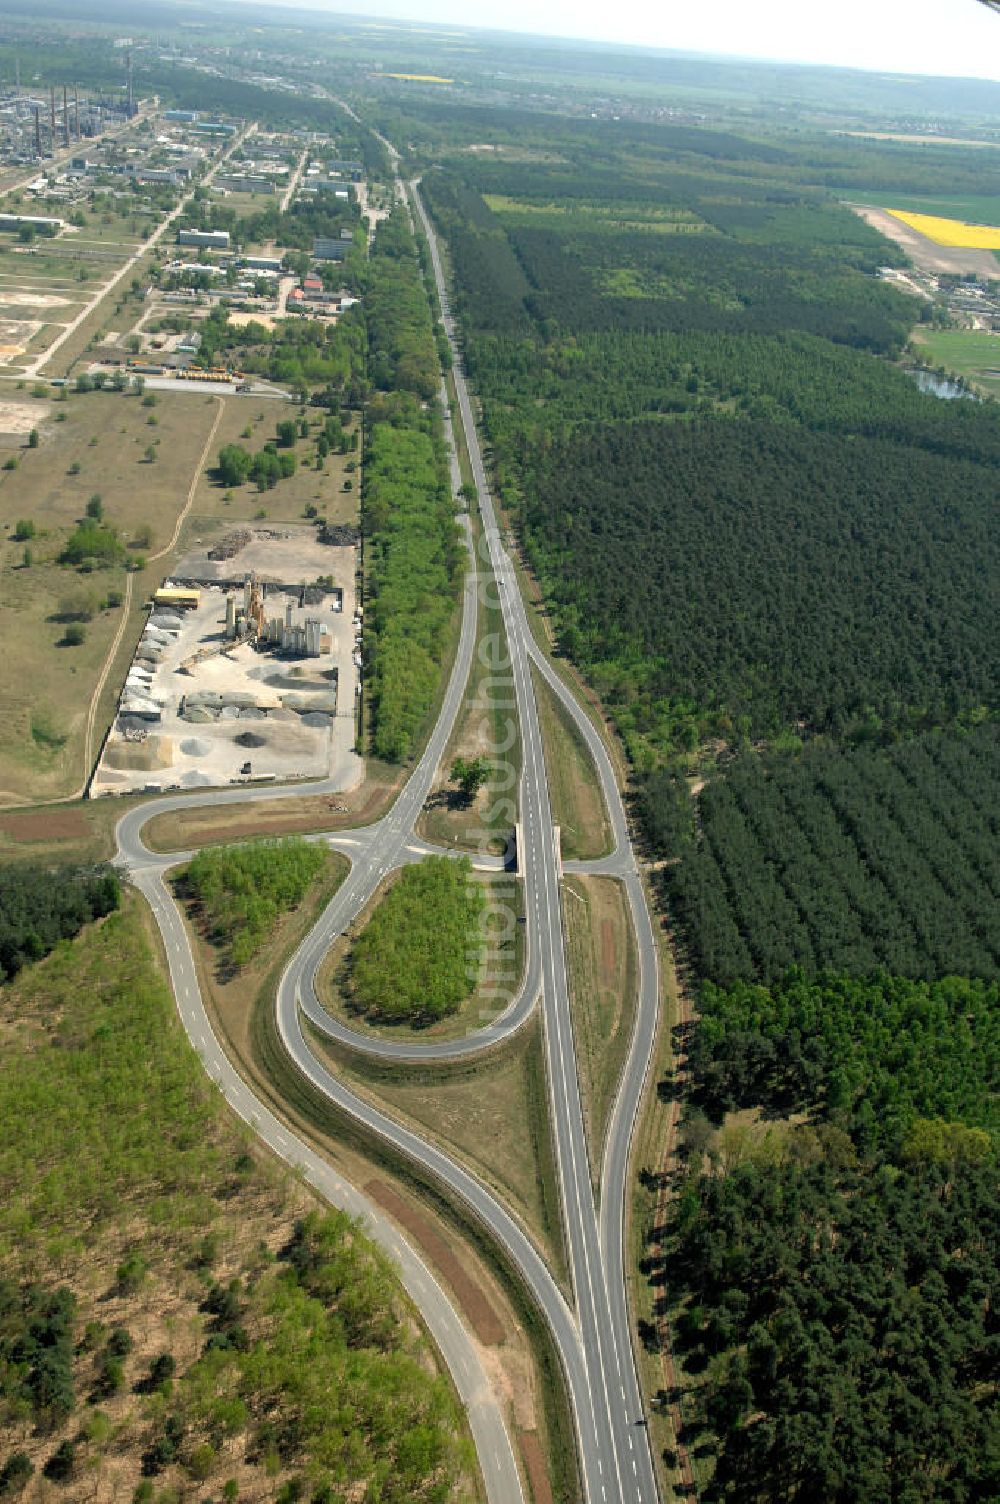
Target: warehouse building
{"x": 333, "y": 249}
{"x": 217, "y": 240}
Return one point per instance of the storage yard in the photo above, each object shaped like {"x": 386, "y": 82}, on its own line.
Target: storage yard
{"x": 243, "y": 673}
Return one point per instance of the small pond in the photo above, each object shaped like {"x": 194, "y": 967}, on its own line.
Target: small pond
{"x": 938, "y": 386}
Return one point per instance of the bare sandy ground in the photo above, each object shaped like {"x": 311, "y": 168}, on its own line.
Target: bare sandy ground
{"x": 21, "y": 417}
{"x": 924, "y": 253}
{"x": 14, "y": 294}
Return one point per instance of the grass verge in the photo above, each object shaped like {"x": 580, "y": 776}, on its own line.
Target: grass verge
{"x": 296, "y": 814}
{"x": 490, "y": 1112}
{"x": 600, "y": 951}
{"x": 652, "y": 1151}
{"x": 578, "y": 806}
{"x": 461, "y": 447}
{"x": 486, "y": 726}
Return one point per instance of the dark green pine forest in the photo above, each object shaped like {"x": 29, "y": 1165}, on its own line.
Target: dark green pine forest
{"x": 777, "y": 562}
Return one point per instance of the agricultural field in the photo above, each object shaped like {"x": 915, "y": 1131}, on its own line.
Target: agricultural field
{"x": 951, "y": 231}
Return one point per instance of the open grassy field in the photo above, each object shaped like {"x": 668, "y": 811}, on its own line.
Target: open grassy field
{"x": 603, "y": 980}
{"x": 974, "y": 209}
{"x": 83, "y": 260}
{"x": 967, "y": 352}
{"x": 500, "y": 971}
{"x": 89, "y": 445}
{"x": 308, "y": 487}
{"x": 139, "y": 1195}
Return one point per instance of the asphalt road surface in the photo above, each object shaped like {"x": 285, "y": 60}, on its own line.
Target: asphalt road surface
{"x": 593, "y": 1339}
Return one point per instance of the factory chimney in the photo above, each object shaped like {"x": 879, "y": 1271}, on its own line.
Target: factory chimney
{"x": 38, "y": 132}
{"x": 65, "y": 116}
{"x": 17, "y": 74}
{"x": 52, "y": 118}
{"x": 76, "y": 109}
{"x": 128, "y": 72}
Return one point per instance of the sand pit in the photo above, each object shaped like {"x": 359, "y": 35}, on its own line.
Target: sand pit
{"x": 21, "y": 417}
{"x": 156, "y": 752}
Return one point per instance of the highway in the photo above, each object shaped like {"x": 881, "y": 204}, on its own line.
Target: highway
{"x": 616, "y": 1460}
{"x": 593, "y": 1339}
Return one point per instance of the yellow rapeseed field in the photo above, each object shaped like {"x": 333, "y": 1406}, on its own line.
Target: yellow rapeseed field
{"x": 421, "y": 78}
{"x": 951, "y": 231}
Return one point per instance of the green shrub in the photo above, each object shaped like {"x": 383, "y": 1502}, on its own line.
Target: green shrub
{"x": 94, "y": 542}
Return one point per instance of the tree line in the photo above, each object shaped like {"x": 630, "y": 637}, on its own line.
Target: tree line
{"x": 413, "y": 556}
{"x": 40, "y": 906}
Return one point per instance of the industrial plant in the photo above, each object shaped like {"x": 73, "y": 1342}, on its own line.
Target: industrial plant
{"x": 239, "y": 674}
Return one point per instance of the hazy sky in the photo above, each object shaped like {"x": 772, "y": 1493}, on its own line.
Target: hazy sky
{"x": 900, "y": 36}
